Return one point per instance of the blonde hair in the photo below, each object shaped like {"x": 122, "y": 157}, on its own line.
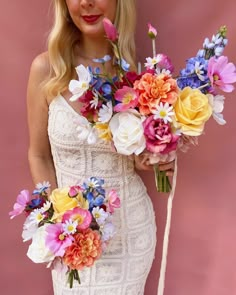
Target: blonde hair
{"x": 65, "y": 35}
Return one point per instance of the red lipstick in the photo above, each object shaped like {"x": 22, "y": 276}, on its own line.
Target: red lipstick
{"x": 90, "y": 18}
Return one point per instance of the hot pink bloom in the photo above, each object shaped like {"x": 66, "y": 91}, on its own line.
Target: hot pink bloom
{"x": 159, "y": 138}
{"x": 113, "y": 201}
{"x": 152, "y": 32}
{"x": 74, "y": 190}
{"x": 222, "y": 73}
{"x": 128, "y": 97}
{"x": 56, "y": 240}
{"x": 21, "y": 202}
{"x": 82, "y": 216}
{"x": 110, "y": 30}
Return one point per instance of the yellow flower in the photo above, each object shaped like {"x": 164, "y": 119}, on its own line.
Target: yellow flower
{"x": 192, "y": 110}
{"x": 104, "y": 131}
{"x": 62, "y": 202}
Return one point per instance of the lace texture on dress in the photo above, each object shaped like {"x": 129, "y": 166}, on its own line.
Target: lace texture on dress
{"x": 124, "y": 266}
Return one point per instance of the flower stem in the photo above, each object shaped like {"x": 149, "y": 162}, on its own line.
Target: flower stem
{"x": 163, "y": 184}
{"x": 154, "y": 47}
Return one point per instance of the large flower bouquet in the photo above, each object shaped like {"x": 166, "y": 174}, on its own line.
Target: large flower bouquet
{"x": 70, "y": 227}
{"x": 152, "y": 112}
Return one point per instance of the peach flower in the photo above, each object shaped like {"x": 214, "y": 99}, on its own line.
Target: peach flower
{"x": 84, "y": 251}
{"x": 154, "y": 89}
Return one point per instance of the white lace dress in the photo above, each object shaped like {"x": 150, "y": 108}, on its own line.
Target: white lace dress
{"x": 124, "y": 266}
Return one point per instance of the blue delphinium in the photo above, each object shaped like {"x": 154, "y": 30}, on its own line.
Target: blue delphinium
{"x": 194, "y": 74}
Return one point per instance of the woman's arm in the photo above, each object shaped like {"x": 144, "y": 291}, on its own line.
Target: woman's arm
{"x": 39, "y": 155}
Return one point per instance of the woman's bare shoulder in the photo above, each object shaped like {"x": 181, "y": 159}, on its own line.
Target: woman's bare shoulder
{"x": 40, "y": 67}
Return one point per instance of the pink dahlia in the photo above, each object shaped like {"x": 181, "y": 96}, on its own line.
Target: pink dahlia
{"x": 82, "y": 216}
{"x": 159, "y": 137}
{"x": 221, "y": 73}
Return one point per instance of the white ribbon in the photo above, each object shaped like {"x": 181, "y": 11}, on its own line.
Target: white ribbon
{"x": 161, "y": 284}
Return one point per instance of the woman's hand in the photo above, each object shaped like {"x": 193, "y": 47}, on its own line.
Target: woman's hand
{"x": 142, "y": 163}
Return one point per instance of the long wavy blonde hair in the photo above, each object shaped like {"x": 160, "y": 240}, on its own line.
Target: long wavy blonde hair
{"x": 65, "y": 35}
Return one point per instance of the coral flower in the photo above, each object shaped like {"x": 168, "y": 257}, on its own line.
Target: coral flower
{"x": 86, "y": 248}
{"x": 128, "y": 98}
{"x": 56, "y": 240}
{"x": 222, "y": 73}
{"x": 21, "y": 202}
{"x": 82, "y": 216}
{"x": 154, "y": 89}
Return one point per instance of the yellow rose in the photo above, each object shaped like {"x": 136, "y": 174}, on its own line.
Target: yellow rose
{"x": 62, "y": 202}
{"x": 192, "y": 110}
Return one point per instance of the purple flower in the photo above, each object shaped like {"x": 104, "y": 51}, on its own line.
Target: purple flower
{"x": 21, "y": 202}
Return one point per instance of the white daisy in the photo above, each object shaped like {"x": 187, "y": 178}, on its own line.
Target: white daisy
{"x": 80, "y": 86}
{"x": 100, "y": 215}
{"x": 164, "y": 112}
{"x": 46, "y": 207}
{"x": 44, "y": 184}
{"x": 36, "y": 216}
{"x": 94, "y": 101}
{"x": 105, "y": 113}
{"x": 152, "y": 61}
{"x": 70, "y": 226}
{"x": 199, "y": 70}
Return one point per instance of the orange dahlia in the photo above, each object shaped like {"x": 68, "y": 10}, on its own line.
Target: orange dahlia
{"x": 86, "y": 248}
{"x": 154, "y": 89}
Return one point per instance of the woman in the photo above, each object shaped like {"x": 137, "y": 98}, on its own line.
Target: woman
{"x": 57, "y": 155}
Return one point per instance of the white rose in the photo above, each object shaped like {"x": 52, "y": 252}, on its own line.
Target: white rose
{"x": 127, "y": 133}
{"x": 38, "y": 252}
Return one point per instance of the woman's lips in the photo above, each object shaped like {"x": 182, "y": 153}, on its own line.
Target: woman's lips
{"x": 90, "y": 18}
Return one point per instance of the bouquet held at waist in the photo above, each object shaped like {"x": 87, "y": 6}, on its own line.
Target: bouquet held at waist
{"x": 153, "y": 113}
{"x": 70, "y": 227}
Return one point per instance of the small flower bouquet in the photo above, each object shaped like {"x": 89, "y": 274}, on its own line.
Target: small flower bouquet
{"x": 70, "y": 227}
{"x": 152, "y": 112}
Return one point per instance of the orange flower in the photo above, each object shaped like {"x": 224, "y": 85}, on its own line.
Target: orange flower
{"x": 154, "y": 89}
{"x": 86, "y": 248}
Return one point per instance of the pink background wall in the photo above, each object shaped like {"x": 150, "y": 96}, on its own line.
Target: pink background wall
{"x": 203, "y": 237}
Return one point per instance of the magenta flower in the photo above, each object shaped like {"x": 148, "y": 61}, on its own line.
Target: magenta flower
{"x": 82, "y": 216}
{"x": 159, "y": 137}
{"x": 221, "y": 73}
{"x": 152, "y": 32}
{"x": 56, "y": 240}
{"x": 110, "y": 30}
{"x": 113, "y": 201}
{"x": 21, "y": 202}
{"x": 128, "y": 98}
{"x": 74, "y": 190}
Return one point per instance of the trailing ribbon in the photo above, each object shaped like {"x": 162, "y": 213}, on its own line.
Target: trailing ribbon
{"x": 161, "y": 284}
